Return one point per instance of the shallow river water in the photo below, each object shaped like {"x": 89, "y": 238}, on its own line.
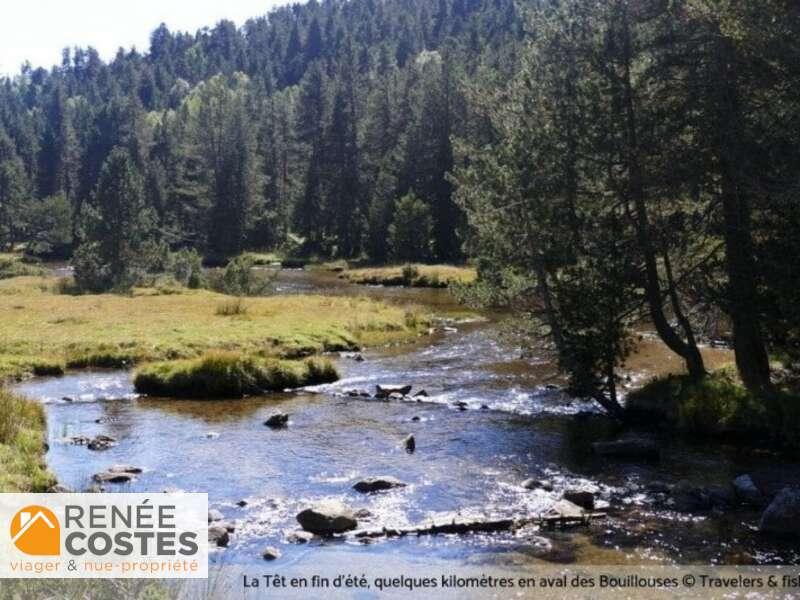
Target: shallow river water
{"x": 467, "y": 462}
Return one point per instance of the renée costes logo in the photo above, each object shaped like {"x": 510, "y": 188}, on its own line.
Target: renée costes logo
{"x": 104, "y": 535}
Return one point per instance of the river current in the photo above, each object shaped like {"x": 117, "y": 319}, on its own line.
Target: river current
{"x": 512, "y": 424}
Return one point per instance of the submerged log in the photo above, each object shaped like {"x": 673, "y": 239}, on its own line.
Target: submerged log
{"x": 462, "y": 526}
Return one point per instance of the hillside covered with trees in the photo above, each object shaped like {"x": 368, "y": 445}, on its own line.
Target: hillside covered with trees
{"x": 312, "y": 120}
{"x": 604, "y": 163}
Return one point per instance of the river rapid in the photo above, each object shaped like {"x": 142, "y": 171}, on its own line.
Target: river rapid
{"x": 470, "y": 460}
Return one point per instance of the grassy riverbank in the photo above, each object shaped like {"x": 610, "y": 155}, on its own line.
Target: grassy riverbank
{"x": 48, "y": 331}
{"x": 719, "y": 405}
{"x": 22, "y": 437}
{"x": 435, "y": 276}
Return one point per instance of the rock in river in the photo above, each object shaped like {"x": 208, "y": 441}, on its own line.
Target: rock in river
{"x": 536, "y": 484}
{"x": 101, "y": 442}
{"x": 299, "y": 537}
{"x": 110, "y": 477}
{"x": 218, "y": 535}
{"x": 215, "y": 515}
{"x": 632, "y": 448}
{"x": 384, "y": 391}
{"x": 566, "y": 510}
{"x": 327, "y": 518}
{"x": 581, "y": 498}
{"x": 746, "y": 491}
{"x": 377, "y": 484}
{"x": 125, "y": 469}
{"x": 270, "y": 553}
{"x": 410, "y": 443}
{"x": 687, "y": 497}
{"x": 277, "y": 421}
{"x": 78, "y": 440}
{"x": 782, "y": 516}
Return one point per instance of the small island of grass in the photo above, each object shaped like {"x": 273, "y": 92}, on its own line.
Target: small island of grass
{"x": 413, "y": 275}
{"x": 230, "y": 375}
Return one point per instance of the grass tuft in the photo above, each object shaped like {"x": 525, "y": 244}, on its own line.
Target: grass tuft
{"x": 22, "y": 438}
{"x": 231, "y": 308}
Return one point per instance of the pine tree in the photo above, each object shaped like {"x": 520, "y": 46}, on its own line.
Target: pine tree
{"x": 411, "y": 231}
{"x": 310, "y": 119}
{"x": 14, "y": 191}
{"x": 120, "y": 229}
{"x": 343, "y": 194}
{"x": 59, "y": 159}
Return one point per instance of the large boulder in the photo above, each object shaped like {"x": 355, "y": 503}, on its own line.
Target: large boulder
{"x": 581, "y": 498}
{"x": 327, "y": 518}
{"x": 632, "y": 448}
{"x": 218, "y": 536}
{"x": 384, "y": 391}
{"x": 746, "y": 491}
{"x": 277, "y": 421}
{"x": 270, "y": 553}
{"x": 377, "y": 484}
{"x": 564, "y": 509}
{"x": 215, "y": 515}
{"x": 782, "y": 516}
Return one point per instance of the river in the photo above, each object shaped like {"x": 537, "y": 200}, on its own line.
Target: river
{"x": 467, "y": 462}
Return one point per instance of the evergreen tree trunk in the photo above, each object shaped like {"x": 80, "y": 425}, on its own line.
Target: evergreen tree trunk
{"x": 688, "y": 349}
{"x": 752, "y": 360}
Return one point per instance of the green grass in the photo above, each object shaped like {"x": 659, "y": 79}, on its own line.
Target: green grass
{"x": 13, "y": 266}
{"x": 230, "y": 375}
{"x": 264, "y": 259}
{"x": 16, "y": 366}
{"x": 434, "y": 276}
{"x": 22, "y": 437}
{"x": 719, "y": 405}
{"x": 45, "y": 330}
{"x": 333, "y": 266}
{"x": 63, "y": 589}
{"x": 231, "y": 308}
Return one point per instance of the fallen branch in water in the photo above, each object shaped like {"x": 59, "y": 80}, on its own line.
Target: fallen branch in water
{"x": 482, "y": 525}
